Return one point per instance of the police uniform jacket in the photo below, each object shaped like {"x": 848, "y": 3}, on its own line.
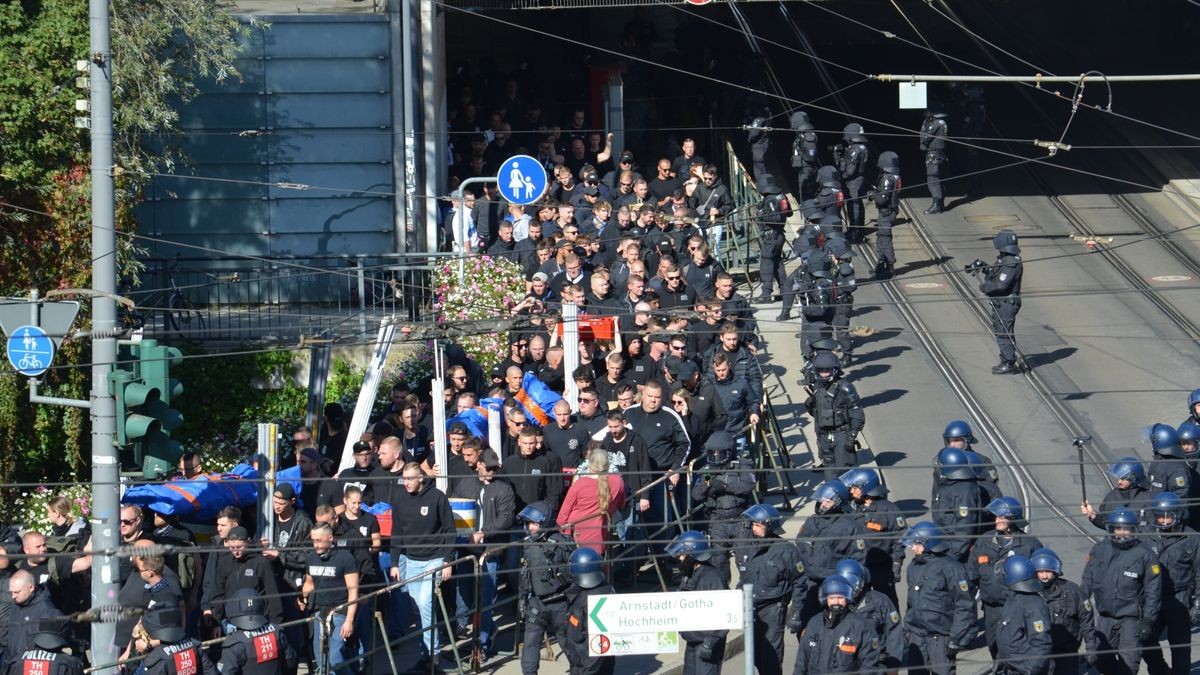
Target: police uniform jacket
{"x": 703, "y": 577}
{"x": 544, "y": 573}
{"x": 1003, "y": 278}
{"x": 826, "y": 539}
{"x": 577, "y": 630}
{"x": 885, "y": 619}
{"x": 725, "y": 489}
{"x": 847, "y": 644}
{"x": 883, "y": 522}
{"x": 1135, "y": 498}
{"x": 933, "y": 135}
{"x": 264, "y": 651}
{"x": 775, "y": 568}
{"x": 887, "y": 193}
{"x": 1124, "y": 581}
{"x": 25, "y": 620}
{"x": 185, "y": 657}
{"x": 835, "y": 406}
{"x": 829, "y": 203}
{"x": 1170, "y": 475}
{"x": 958, "y": 510}
{"x": 1071, "y": 618}
{"x": 1023, "y": 636}
{"x": 985, "y": 565}
{"x": 939, "y": 599}
{"x": 854, "y": 160}
{"x": 1179, "y": 559}
{"x": 42, "y": 662}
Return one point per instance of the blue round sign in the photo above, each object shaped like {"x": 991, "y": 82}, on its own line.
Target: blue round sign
{"x": 30, "y": 351}
{"x": 521, "y": 179}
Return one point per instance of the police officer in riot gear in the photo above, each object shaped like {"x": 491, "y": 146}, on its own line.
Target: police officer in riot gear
{"x": 777, "y": 572}
{"x": 1023, "y": 642}
{"x": 829, "y": 199}
{"x": 257, "y": 647}
{"x": 884, "y": 523}
{"x": 725, "y": 487}
{"x": 940, "y": 615}
{"x": 837, "y": 639}
{"x": 852, "y": 158}
{"x": 805, "y": 156}
{"x": 772, "y": 215}
{"x": 879, "y": 609}
{"x": 172, "y": 652}
{"x": 1130, "y": 492}
{"x": 837, "y": 414}
{"x": 1168, "y": 471}
{"x": 958, "y": 434}
{"x": 1189, "y": 443}
{"x": 990, "y": 552}
{"x": 1124, "y": 580}
{"x": 1193, "y": 407}
{"x": 543, "y": 580}
{"x": 957, "y": 505}
{"x": 587, "y": 572}
{"x": 808, "y": 245}
{"x": 1002, "y": 284}
{"x": 831, "y": 534}
{"x": 933, "y": 143}
{"x": 1178, "y": 550}
{"x": 886, "y": 196}
{"x": 844, "y": 285}
{"x": 815, "y": 289}
{"x": 46, "y": 656}
{"x": 705, "y": 649}
{"x": 1071, "y": 622}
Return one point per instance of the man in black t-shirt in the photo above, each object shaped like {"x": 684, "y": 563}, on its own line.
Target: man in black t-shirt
{"x": 564, "y": 437}
{"x": 330, "y": 582}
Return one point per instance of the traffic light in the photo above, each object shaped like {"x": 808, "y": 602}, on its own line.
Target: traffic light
{"x": 145, "y": 417}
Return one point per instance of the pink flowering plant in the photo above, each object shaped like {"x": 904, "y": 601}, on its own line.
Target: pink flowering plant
{"x": 30, "y": 506}
{"x": 491, "y": 287}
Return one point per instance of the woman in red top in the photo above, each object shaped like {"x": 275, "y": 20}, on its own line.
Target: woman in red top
{"x": 593, "y": 493}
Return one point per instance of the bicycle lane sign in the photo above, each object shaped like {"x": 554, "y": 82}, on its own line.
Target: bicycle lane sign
{"x": 30, "y": 350}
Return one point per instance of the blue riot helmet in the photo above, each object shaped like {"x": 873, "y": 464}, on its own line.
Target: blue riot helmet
{"x": 535, "y": 512}
{"x": 855, "y": 573}
{"x": 1165, "y": 441}
{"x": 866, "y": 480}
{"x": 1005, "y": 241}
{"x": 1122, "y": 519}
{"x": 1189, "y": 439}
{"x": 958, "y": 429}
{"x": 925, "y": 533}
{"x": 953, "y": 464}
{"x": 765, "y": 514}
{"x": 1167, "y": 505}
{"x": 693, "y": 544}
{"x": 1193, "y": 399}
{"x": 832, "y": 490}
{"x": 1046, "y": 560}
{"x": 586, "y": 567}
{"x": 1019, "y": 574}
{"x": 1009, "y": 509}
{"x": 836, "y": 585}
{"x": 1128, "y": 468}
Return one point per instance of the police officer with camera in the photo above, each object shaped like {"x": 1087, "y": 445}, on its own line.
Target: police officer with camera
{"x": 1002, "y": 284}
{"x": 933, "y": 143}
{"x": 725, "y": 486}
{"x": 804, "y": 154}
{"x": 852, "y": 157}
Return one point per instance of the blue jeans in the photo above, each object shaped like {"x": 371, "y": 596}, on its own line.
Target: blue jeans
{"x": 715, "y": 234}
{"x": 339, "y": 650}
{"x": 421, "y": 593}
{"x": 488, "y": 580}
{"x": 395, "y": 611}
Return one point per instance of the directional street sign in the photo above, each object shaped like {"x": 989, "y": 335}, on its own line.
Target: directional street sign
{"x": 30, "y": 351}
{"x": 521, "y": 179}
{"x": 640, "y": 620}
{"x": 55, "y": 316}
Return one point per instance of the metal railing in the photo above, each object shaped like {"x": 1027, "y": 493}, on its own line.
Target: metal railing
{"x": 741, "y": 229}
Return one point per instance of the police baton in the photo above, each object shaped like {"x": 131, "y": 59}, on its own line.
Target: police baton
{"x": 1079, "y": 442}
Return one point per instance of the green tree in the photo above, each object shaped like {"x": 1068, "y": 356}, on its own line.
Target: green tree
{"x": 161, "y": 48}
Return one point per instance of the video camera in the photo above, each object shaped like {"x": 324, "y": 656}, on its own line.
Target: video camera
{"x": 838, "y": 150}
{"x": 976, "y": 266}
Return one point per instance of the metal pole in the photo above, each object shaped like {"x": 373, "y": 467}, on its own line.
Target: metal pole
{"x": 433, "y": 113}
{"x": 570, "y": 321}
{"x": 1072, "y": 79}
{"x": 748, "y": 631}
{"x": 400, "y": 92}
{"x": 106, "y": 511}
{"x": 268, "y": 460}
{"x": 411, "y": 79}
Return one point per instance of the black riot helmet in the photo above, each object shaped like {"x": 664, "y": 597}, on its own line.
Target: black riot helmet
{"x": 718, "y": 447}
{"x": 799, "y": 120}
{"x": 826, "y": 361}
{"x": 818, "y": 266}
{"x": 1005, "y": 241}
{"x": 936, "y": 109}
{"x": 854, "y": 133}
{"x": 889, "y": 162}
{"x": 827, "y": 176}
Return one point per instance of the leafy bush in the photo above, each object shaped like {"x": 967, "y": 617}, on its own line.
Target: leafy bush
{"x": 490, "y": 289}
